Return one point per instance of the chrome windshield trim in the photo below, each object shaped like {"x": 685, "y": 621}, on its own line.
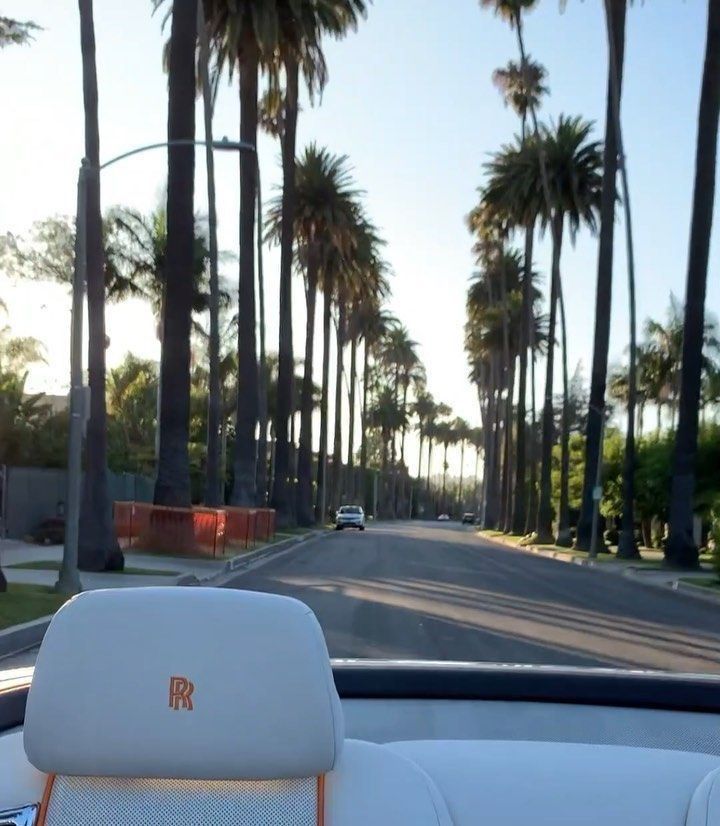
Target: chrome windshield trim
{"x": 25, "y": 816}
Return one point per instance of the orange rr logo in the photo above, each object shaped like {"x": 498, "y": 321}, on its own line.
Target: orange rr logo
{"x": 181, "y": 690}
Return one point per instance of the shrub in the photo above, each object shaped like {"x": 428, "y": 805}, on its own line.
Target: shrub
{"x": 714, "y": 538}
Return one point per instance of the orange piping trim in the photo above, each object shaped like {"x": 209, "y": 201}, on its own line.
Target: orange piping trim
{"x": 44, "y": 803}
{"x": 320, "y": 801}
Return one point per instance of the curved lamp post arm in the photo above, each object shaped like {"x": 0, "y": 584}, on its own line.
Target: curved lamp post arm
{"x": 224, "y": 144}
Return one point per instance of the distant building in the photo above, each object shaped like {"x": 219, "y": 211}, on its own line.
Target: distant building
{"x": 57, "y": 403}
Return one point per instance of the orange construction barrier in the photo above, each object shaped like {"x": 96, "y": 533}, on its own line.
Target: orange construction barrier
{"x": 170, "y": 530}
{"x": 240, "y": 526}
{"x": 263, "y": 524}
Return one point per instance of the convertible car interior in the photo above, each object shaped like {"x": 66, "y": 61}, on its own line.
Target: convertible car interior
{"x": 198, "y": 706}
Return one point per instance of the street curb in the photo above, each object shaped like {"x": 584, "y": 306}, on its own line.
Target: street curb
{"x": 242, "y": 562}
{"x": 19, "y": 638}
{"x": 696, "y": 591}
{"x": 633, "y": 573}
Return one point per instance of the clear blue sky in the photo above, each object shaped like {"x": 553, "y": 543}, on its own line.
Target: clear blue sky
{"x": 411, "y": 102}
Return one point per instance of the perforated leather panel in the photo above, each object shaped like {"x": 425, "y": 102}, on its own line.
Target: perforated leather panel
{"x": 101, "y": 801}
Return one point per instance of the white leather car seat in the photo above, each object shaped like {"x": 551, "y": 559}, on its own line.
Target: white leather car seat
{"x": 199, "y": 705}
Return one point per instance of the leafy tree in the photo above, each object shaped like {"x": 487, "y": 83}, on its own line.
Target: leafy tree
{"x": 131, "y": 398}
{"x": 17, "y": 32}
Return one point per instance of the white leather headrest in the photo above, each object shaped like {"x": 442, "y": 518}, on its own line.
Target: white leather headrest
{"x": 193, "y": 683}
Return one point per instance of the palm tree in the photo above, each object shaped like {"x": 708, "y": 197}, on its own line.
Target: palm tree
{"x": 399, "y": 358}
{"x": 514, "y": 188}
{"x": 355, "y": 279}
{"x": 573, "y": 168}
{"x": 522, "y": 87}
{"x": 342, "y": 288}
{"x": 665, "y": 341}
{"x": 97, "y": 544}
{"x": 243, "y": 34}
{"x": 424, "y": 410}
{"x": 498, "y": 300}
{"x": 433, "y": 431}
{"x": 301, "y": 25}
{"x": 681, "y": 548}
{"x": 603, "y": 294}
{"x": 324, "y": 218}
{"x": 136, "y": 248}
{"x": 377, "y": 323}
{"x": 463, "y": 433}
{"x": 370, "y": 287}
{"x": 476, "y": 439}
{"x": 483, "y": 345}
{"x": 172, "y": 485}
{"x": 446, "y": 435}
{"x": 214, "y": 494}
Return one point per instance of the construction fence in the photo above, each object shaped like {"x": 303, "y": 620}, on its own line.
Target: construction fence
{"x": 211, "y": 532}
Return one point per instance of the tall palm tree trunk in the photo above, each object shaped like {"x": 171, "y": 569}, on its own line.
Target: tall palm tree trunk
{"x": 429, "y": 463}
{"x": 490, "y": 482}
{"x": 280, "y": 495}
{"x": 532, "y": 500}
{"x": 223, "y": 454}
{"x": 564, "y": 537}
{"x": 507, "y": 412}
{"x": 496, "y": 469}
{"x": 681, "y": 548}
{"x": 475, "y": 481}
{"x": 97, "y": 545}
{"x": 403, "y": 429}
{"x": 507, "y": 478}
{"x": 304, "y": 507}
{"x": 320, "y": 504}
{"x": 462, "y": 467}
{"x": 243, "y": 492}
{"x": 172, "y": 486}
{"x": 262, "y": 467}
{"x": 603, "y": 293}
{"x": 627, "y": 546}
{"x": 519, "y": 499}
{"x": 545, "y": 509}
{"x": 421, "y": 437}
{"x": 444, "y": 477}
{"x": 363, "y": 416}
{"x": 337, "y": 477}
{"x": 350, "y": 481}
{"x": 213, "y": 495}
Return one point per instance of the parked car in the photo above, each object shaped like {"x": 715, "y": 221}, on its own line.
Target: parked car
{"x": 468, "y": 518}
{"x": 444, "y": 517}
{"x": 350, "y": 516}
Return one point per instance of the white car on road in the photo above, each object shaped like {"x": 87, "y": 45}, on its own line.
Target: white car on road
{"x": 350, "y": 516}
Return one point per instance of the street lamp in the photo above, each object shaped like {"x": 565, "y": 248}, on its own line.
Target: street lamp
{"x": 68, "y": 578}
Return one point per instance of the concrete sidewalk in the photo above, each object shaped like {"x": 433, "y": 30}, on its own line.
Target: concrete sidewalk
{"x": 666, "y": 578}
{"x": 13, "y": 552}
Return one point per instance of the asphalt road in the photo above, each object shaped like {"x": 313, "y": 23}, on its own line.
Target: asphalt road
{"x": 434, "y": 591}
